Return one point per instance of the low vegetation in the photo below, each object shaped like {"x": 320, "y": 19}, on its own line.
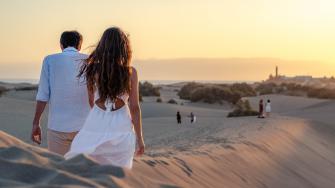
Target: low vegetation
{"x": 295, "y": 90}
{"x": 2, "y": 90}
{"x": 215, "y": 93}
{"x": 148, "y": 89}
{"x": 172, "y": 101}
{"x": 242, "y": 108}
{"x": 321, "y": 93}
{"x": 26, "y": 88}
{"x": 159, "y": 100}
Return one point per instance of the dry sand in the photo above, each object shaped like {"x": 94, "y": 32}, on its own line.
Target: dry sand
{"x": 295, "y": 147}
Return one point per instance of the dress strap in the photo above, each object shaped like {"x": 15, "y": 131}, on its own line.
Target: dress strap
{"x": 110, "y": 105}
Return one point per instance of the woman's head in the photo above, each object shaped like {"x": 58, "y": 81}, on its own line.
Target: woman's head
{"x": 108, "y": 66}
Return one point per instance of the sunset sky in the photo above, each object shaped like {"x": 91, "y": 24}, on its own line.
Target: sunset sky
{"x": 202, "y": 40}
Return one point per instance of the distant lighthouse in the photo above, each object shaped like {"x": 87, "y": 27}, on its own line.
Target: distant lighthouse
{"x": 276, "y": 71}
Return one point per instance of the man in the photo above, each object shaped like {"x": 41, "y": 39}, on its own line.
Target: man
{"x": 65, "y": 94}
{"x": 178, "y": 117}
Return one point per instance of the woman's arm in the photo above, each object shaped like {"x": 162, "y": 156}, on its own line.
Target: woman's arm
{"x": 135, "y": 111}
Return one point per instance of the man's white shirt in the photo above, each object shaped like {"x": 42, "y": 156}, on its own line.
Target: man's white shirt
{"x": 66, "y": 95}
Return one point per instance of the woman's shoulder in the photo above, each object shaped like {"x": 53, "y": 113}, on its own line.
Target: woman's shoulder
{"x": 133, "y": 73}
{"x": 133, "y": 70}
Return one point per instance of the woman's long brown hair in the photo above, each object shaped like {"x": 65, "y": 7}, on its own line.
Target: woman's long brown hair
{"x": 108, "y": 66}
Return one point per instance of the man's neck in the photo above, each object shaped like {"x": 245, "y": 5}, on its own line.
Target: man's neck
{"x": 70, "y": 49}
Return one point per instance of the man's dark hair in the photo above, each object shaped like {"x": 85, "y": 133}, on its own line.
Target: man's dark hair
{"x": 71, "y": 39}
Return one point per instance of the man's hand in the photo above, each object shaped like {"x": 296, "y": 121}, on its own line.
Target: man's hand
{"x": 141, "y": 147}
{"x": 36, "y": 134}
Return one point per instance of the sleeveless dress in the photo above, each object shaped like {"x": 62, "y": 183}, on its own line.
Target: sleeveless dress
{"x": 268, "y": 107}
{"x": 107, "y": 136}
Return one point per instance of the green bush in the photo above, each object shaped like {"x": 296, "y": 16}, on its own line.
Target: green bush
{"x": 212, "y": 93}
{"x": 159, "y": 100}
{"x": 321, "y": 93}
{"x": 243, "y": 89}
{"x": 186, "y": 90}
{"x": 148, "y": 89}
{"x": 172, "y": 101}
{"x": 26, "y": 88}
{"x": 266, "y": 88}
{"x": 293, "y": 89}
{"x": 242, "y": 108}
{"x": 2, "y": 90}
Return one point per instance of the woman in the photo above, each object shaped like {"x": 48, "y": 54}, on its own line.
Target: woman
{"x": 193, "y": 118}
{"x": 108, "y": 134}
{"x": 268, "y": 108}
{"x": 260, "y": 109}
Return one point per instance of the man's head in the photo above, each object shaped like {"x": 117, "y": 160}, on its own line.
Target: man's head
{"x": 71, "y": 39}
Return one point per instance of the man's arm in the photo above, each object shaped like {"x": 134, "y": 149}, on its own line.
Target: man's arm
{"x": 42, "y": 99}
{"x": 36, "y": 133}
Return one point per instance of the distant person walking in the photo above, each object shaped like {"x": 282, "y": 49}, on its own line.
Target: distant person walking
{"x": 193, "y": 117}
{"x": 178, "y": 118}
{"x": 268, "y": 108}
{"x": 261, "y": 109}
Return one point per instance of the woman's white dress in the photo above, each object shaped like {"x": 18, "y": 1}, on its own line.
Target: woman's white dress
{"x": 268, "y": 107}
{"x": 107, "y": 136}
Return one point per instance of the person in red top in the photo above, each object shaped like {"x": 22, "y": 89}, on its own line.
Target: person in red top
{"x": 261, "y": 109}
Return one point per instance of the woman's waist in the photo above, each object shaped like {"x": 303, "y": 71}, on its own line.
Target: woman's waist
{"x": 109, "y": 127}
{"x": 119, "y": 120}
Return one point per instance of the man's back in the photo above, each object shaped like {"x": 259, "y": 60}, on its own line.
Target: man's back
{"x": 66, "y": 95}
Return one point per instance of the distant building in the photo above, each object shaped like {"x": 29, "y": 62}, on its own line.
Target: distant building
{"x": 302, "y": 80}
{"x": 276, "y": 71}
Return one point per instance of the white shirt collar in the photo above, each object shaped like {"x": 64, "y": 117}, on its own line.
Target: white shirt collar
{"x": 70, "y": 49}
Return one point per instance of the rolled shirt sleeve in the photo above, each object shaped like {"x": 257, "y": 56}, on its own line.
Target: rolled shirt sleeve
{"x": 43, "y": 93}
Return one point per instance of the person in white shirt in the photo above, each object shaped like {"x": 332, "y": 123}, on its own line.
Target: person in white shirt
{"x": 268, "y": 108}
{"x": 64, "y": 93}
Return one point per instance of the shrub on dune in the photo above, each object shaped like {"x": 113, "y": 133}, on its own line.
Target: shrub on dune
{"x": 321, "y": 93}
{"x": 242, "y": 108}
{"x": 210, "y": 93}
{"x": 294, "y": 89}
{"x": 2, "y": 90}
{"x": 266, "y": 88}
{"x": 186, "y": 90}
{"x": 26, "y": 88}
{"x": 172, "y": 101}
{"x": 148, "y": 89}
{"x": 244, "y": 89}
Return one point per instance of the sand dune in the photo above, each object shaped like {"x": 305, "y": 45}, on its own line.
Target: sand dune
{"x": 288, "y": 153}
{"x": 293, "y": 148}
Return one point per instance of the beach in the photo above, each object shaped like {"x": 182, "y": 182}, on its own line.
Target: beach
{"x": 294, "y": 147}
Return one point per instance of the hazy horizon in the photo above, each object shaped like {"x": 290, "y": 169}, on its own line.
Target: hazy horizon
{"x": 211, "y": 69}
